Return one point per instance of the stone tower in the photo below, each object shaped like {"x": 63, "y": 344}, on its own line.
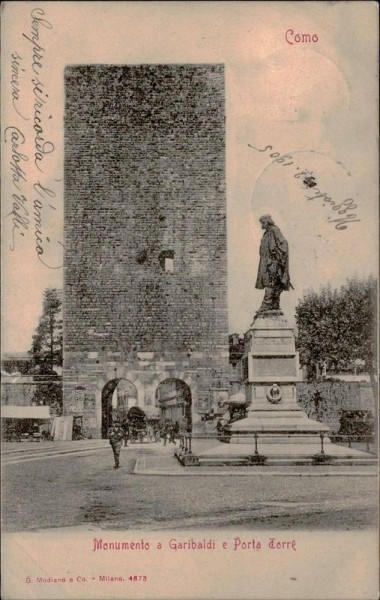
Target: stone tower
{"x": 145, "y": 288}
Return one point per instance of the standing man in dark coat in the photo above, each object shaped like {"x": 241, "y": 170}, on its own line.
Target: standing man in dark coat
{"x": 125, "y": 426}
{"x": 116, "y": 435}
{"x": 273, "y": 273}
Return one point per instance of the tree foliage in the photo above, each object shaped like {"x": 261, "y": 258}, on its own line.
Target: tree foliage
{"x": 337, "y": 327}
{"x": 47, "y": 342}
{"x": 49, "y": 393}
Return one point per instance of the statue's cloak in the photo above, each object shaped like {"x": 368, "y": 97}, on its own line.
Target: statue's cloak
{"x": 274, "y": 261}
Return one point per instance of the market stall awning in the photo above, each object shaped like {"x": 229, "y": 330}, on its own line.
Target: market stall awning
{"x": 25, "y": 412}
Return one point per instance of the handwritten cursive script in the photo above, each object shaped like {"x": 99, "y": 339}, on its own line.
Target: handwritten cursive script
{"x": 42, "y": 146}
{"x": 16, "y": 70}
{"x": 19, "y": 212}
{"x": 341, "y": 208}
{"x": 33, "y": 189}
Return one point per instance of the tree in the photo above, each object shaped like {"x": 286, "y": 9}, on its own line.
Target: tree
{"x": 338, "y": 327}
{"x": 47, "y": 344}
{"x": 47, "y": 353}
{"x": 49, "y": 393}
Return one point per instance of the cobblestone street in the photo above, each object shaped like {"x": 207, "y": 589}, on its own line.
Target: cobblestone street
{"x": 74, "y": 484}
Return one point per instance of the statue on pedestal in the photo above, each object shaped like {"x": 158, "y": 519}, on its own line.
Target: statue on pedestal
{"x": 273, "y": 272}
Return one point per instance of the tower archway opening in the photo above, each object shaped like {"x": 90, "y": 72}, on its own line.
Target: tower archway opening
{"x": 173, "y": 397}
{"x": 118, "y": 396}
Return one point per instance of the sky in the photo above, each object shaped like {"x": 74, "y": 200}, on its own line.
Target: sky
{"x": 315, "y": 103}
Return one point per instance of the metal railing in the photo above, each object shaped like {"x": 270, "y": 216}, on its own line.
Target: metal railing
{"x": 354, "y": 438}
{"x": 186, "y": 439}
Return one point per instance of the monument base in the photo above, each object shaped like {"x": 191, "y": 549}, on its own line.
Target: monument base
{"x": 267, "y": 314}
{"x": 270, "y": 369}
{"x": 284, "y": 455}
{"x": 277, "y": 427}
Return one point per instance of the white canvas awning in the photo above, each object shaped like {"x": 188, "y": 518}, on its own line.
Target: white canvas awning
{"x": 25, "y": 412}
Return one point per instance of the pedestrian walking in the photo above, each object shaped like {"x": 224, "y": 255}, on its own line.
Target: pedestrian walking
{"x": 171, "y": 432}
{"x": 150, "y": 432}
{"x": 116, "y": 435}
{"x": 163, "y": 434}
{"x": 125, "y": 426}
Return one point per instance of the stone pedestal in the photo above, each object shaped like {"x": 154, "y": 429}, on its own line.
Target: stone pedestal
{"x": 270, "y": 371}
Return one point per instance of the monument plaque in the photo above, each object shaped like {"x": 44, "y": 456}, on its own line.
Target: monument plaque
{"x": 273, "y": 366}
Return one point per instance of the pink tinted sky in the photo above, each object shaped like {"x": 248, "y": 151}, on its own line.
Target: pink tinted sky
{"x": 316, "y": 102}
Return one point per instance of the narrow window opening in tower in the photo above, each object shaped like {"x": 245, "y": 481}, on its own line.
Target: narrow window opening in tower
{"x": 169, "y": 265}
{"x": 166, "y": 260}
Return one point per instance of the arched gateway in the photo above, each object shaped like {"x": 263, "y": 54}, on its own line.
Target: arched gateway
{"x": 173, "y": 397}
{"x": 118, "y": 395}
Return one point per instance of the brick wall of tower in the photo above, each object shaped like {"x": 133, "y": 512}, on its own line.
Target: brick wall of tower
{"x": 144, "y": 174}
{"x": 145, "y": 179}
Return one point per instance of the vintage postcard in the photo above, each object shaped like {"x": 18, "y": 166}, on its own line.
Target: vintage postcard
{"x": 189, "y": 308}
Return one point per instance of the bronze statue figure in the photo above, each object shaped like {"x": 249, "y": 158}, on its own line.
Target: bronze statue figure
{"x": 273, "y": 273}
